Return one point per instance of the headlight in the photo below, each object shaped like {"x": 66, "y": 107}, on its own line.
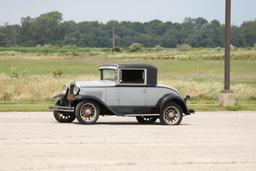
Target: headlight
{"x": 65, "y": 89}
{"x": 76, "y": 89}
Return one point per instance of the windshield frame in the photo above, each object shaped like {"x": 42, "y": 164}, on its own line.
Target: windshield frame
{"x": 115, "y": 79}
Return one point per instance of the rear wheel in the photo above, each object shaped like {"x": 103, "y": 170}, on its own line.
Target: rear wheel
{"x": 146, "y": 119}
{"x": 63, "y": 117}
{"x": 87, "y": 112}
{"x": 171, "y": 114}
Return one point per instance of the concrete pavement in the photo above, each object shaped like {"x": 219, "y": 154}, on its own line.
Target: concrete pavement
{"x": 204, "y": 141}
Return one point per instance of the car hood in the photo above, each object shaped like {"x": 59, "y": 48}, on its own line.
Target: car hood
{"x": 99, "y": 83}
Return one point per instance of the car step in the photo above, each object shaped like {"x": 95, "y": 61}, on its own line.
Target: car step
{"x": 62, "y": 108}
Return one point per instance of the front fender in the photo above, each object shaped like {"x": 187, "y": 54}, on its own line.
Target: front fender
{"x": 79, "y": 98}
{"x": 173, "y": 98}
{"x": 61, "y": 95}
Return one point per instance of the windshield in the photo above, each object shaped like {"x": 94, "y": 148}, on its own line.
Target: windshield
{"x": 109, "y": 74}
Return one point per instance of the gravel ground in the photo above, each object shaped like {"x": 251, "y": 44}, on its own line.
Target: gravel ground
{"x": 204, "y": 141}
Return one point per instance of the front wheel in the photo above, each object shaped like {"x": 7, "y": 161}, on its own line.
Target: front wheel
{"x": 171, "y": 114}
{"x": 63, "y": 117}
{"x": 146, "y": 119}
{"x": 87, "y": 112}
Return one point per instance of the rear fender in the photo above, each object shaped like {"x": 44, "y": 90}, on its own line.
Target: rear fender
{"x": 173, "y": 98}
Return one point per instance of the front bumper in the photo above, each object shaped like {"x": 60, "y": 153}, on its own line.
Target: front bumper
{"x": 62, "y": 108}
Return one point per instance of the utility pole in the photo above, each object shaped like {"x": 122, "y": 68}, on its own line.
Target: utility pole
{"x": 227, "y": 96}
{"x": 113, "y": 39}
{"x": 227, "y": 45}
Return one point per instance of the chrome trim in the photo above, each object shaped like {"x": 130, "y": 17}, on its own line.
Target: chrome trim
{"x": 108, "y": 67}
{"x": 145, "y": 76}
{"x": 65, "y": 89}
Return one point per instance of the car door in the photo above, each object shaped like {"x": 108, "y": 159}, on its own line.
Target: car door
{"x": 131, "y": 99}
{"x": 131, "y": 96}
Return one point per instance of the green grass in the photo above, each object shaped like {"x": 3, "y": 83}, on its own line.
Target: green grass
{"x": 42, "y": 67}
{"x": 211, "y": 105}
{"x": 199, "y": 70}
{"x": 23, "y": 107}
{"x": 26, "y": 105}
{"x": 29, "y": 106}
{"x": 67, "y": 50}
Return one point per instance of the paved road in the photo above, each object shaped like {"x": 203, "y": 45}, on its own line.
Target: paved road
{"x": 205, "y": 141}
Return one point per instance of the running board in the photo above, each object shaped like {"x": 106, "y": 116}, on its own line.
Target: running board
{"x": 134, "y": 115}
{"x": 62, "y": 108}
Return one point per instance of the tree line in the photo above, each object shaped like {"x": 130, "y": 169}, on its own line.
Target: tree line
{"x": 49, "y": 28}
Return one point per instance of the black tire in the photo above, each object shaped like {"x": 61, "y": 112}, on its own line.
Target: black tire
{"x": 87, "y": 112}
{"x": 64, "y": 117}
{"x": 171, "y": 114}
{"x": 146, "y": 119}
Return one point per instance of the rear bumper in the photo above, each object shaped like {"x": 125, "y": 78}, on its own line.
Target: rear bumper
{"x": 191, "y": 111}
{"x": 62, "y": 108}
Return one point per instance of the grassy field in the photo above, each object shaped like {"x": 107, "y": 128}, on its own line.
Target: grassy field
{"x": 28, "y": 79}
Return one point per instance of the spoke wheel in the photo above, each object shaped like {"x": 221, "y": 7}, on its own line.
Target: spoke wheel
{"x": 64, "y": 117}
{"x": 146, "y": 119}
{"x": 87, "y": 112}
{"x": 171, "y": 115}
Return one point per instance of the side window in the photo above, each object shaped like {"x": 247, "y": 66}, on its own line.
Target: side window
{"x": 131, "y": 76}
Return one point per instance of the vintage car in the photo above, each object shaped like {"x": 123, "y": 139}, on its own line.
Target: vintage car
{"x": 123, "y": 90}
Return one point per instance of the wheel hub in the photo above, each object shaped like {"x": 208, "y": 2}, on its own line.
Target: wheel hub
{"x": 171, "y": 115}
{"x": 88, "y": 112}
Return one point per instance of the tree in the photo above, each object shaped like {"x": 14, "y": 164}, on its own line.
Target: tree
{"x": 10, "y": 35}
{"x": 27, "y": 31}
{"x": 173, "y": 37}
{"x": 49, "y": 28}
{"x": 248, "y": 31}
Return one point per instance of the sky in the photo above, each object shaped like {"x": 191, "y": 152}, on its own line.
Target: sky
{"x": 11, "y": 11}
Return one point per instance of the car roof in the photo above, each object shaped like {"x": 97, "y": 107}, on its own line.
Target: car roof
{"x": 151, "y": 74}
{"x": 123, "y": 66}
